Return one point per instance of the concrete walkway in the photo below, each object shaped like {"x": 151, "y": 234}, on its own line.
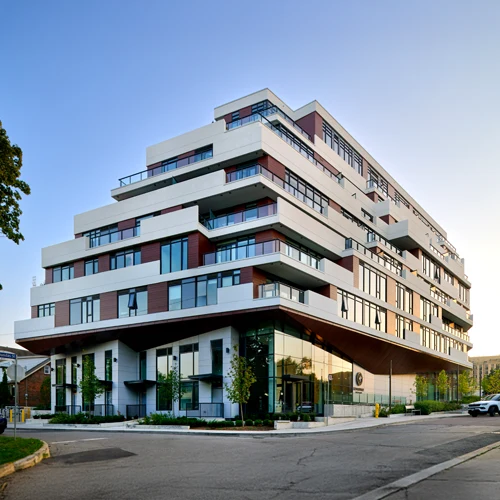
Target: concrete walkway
{"x": 359, "y": 423}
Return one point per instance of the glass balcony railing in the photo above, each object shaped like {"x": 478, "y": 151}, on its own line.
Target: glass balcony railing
{"x": 281, "y": 290}
{"x": 166, "y": 166}
{"x": 275, "y": 110}
{"x": 388, "y": 262}
{"x": 296, "y": 144}
{"x": 96, "y": 239}
{"x": 257, "y": 249}
{"x": 247, "y": 215}
{"x": 258, "y": 169}
{"x": 371, "y": 237}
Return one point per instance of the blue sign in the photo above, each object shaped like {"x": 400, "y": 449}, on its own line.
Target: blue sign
{"x": 8, "y": 355}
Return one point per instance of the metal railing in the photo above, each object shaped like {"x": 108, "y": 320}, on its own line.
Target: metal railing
{"x": 136, "y": 411}
{"x": 204, "y": 410}
{"x": 263, "y": 248}
{"x": 371, "y": 237}
{"x": 258, "y": 169}
{"x": 278, "y": 289}
{"x": 388, "y": 263}
{"x": 113, "y": 237}
{"x": 69, "y": 409}
{"x": 99, "y": 410}
{"x": 275, "y": 110}
{"x": 166, "y": 166}
{"x": 363, "y": 398}
{"x": 240, "y": 216}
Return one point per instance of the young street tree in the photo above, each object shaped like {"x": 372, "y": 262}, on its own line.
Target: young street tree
{"x": 11, "y": 188}
{"x": 466, "y": 383}
{"x": 421, "y": 386}
{"x": 491, "y": 383}
{"x": 242, "y": 379}
{"x": 90, "y": 386}
{"x": 442, "y": 384}
{"x": 170, "y": 387}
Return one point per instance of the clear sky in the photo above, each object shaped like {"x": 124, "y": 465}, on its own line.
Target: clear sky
{"x": 85, "y": 87}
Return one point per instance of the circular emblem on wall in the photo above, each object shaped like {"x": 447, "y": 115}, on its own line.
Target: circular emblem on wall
{"x": 359, "y": 378}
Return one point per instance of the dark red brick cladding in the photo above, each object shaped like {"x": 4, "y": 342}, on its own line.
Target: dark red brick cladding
{"x": 153, "y": 165}
{"x": 62, "y": 313}
{"x": 326, "y": 164}
{"x": 171, "y": 209}
{"x": 329, "y": 291}
{"x": 373, "y": 196}
{"x": 158, "y": 297}
{"x": 126, "y": 224}
{"x": 31, "y": 386}
{"x": 34, "y": 311}
{"x": 48, "y": 275}
{"x": 312, "y": 124}
{"x": 109, "y": 305}
{"x": 335, "y": 206}
{"x": 78, "y": 235}
{"x": 198, "y": 244}
{"x": 270, "y": 234}
{"x": 185, "y": 155}
{"x": 150, "y": 252}
{"x": 103, "y": 263}
{"x": 79, "y": 268}
{"x": 272, "y": 165}
{"x": 255, "y": 276}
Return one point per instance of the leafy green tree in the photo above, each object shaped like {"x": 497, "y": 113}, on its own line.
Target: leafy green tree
{"x": 170, "y": 386}
{"x": 491, "y": 383}
{"x": 45, "y": 398}
{"x": 466, "y": 383}
{"x": 420, "y": 387}
{"x": 90, "y": 385}
{"x": 242, "y": 379}
{"x": 5, "y": 397}
{"x": 11, "y": 188}
{"x": 442, "y": 384}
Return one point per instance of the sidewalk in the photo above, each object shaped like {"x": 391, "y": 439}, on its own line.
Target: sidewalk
{"x": 476, "y": 478}
{"x": 358, "y": 423}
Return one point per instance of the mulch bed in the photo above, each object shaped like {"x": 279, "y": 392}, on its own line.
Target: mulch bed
{"x": 239, "y": 429}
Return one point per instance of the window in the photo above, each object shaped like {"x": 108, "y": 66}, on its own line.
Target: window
{"x": 126, "y": 258}
{"x": 108, "y": 365}
{"x": 430, "y": 268}
{"x": 91, "y": 267}
{"x": 361, "y": 311}
{"x": 439, "y": 295}
{"x": 60, "y": 382}
{"x": 372, "y": 281}
{"x": 63, "y": 273}
{"x": 174, "y": 256}
{"x": 235, "y": 116}
{"x": 404, "y": 298}
{"x": 366, "y": 215}
{"x": 46, "y": 310}
{"x": 438, "y": 342}
{"x": 463, "y": 293}
{"x": 189, "y": 358}
{"x": 74, "y": 368}
{"x": 103, "y": 235}
{"x": 261, "y": 106}
{"x": 402, "y": 324}
{"x": 84, "y": 310}
{"x": 428, "y": 308}
{"x": 133, "y": 302}
{"x": 448, "y": 277}
{"x": 216, "y": 349}
{"x": 305, "y": 192}
{"x": 241, "y": 248}
{"x": 200, "y": 291}
{"x": 342, "y": 148}
{"x": 163, "y": 367}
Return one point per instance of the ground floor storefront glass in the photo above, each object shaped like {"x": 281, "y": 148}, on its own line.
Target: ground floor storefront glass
{"x": 295, "y": 372}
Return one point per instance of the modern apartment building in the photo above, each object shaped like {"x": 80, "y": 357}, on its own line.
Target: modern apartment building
{"x": 270, "y": 229}
{"x": 482, "y": 367}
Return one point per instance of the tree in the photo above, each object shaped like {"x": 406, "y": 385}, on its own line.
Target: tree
{"x": 170, "y": 386}
{"x": 442, "y": 384}
{"x": 5, "y": 397}
{"x": 466, "y": 383}
{"x": 11, "y": 187}
{"x": 45, "y": 398}
{"x": 90, "y": 385}
{"x": 242, "y": 379}
{"x": 421, "y": 387}
{"x": 491, "y": 383}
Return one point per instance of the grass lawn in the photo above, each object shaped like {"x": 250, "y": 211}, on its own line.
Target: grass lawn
{"x": 11, "y": 450}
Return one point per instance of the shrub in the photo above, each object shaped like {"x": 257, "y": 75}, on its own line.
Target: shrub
{"x": 294, "y": 417}
{"x": 469, "y": 399}
{"x": 84, "y": 418}
{"x": 238, "y": 423}
{"x": 249, "y": 422}
{"x": 383, "y": 412}
{"x": 268, "y": 423}
{"x": 258, "y": 423}
{"x": 395, "y": 409}
{"x": 427, "y": 407}
{"x": 306, "y": 417}
{"x": 168, "y": 419}
{"x": 48, "y": 416}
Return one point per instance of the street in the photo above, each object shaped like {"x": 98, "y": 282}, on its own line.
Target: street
{"x": 340, "y": 465}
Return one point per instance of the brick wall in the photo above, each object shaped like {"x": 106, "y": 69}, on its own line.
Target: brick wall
{"x": 103, "y": 263}
{"x": 351, "y": 264}
{"x": 329, "y": 291}
{"x": 109, "y": 305}
{"x": 255, "y": 276}
{"x": 48, "y": 275}
{"x": 150, "y": 252}
{"x": 126, "y": 224}
{"x": 31, "y": 386}
{"x": 198, "y": 244}
{"x": 270, "y": 234}
{"x": 312, "y": 124}
{"x": 79, "y": 268}
{"x": 62, "y": 313}
{"x": 272, "y": 165}
{"x": 171, "y": 209}
{"x": 34, "y": 311}
{"x": 158, "y": 297}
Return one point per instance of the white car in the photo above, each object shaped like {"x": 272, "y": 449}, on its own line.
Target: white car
{"x": 490, "y": 405}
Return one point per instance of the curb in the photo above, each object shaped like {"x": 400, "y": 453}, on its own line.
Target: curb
{"x": 408, "y": 481}
{"x": 26, "y": 462}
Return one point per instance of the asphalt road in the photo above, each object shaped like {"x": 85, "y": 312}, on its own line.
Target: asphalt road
{"x": 340, "y": 465}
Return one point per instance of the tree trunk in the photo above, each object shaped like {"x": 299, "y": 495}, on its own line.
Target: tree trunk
{"x": 241, "y": 413}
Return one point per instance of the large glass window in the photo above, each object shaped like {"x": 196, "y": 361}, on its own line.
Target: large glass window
{"x": 91, "y": 267}
{"x": 463, "y": 293}
{"x": 342, "y": 148}
{"x": 361, "y": 311}
{"x": 305, "y": 192}
{"x": 216, "y": 349}
{"x": 108, "y": 365}
{"x": 402, "y": 324}
{"x": 133, "y": 302}
{"x": 430, "y": 268}
{"x": 126, "y": 258}
{"x": 63, "y": 273}
{"x": 428, "y": 308}
{"x": 84, "y": 310}
{"x": 372, "y": 281}
{"x": 163, "y": 367}
{"x": 404, "y": 298}
{"x": 60, "y": 382}
{"x": 174, "y": 256}
{"x": 46, "y": 310}
{"x": 189, "y": 357}
{"x": 199, "y": 291}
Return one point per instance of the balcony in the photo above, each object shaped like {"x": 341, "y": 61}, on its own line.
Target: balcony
{"x": 281, "y": 290}
{"x": 98, "y": 240}
{"x": 258, "y": 169}
{"x": 166, "y": 166}
{"x": 388, "y": 262}
{"x": 258, "y": 249}
{"x": 241, "y": 216}
{"x": 371, "y": 237}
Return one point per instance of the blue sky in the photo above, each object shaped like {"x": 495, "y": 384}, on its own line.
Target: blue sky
{"x": 86, "y": 87}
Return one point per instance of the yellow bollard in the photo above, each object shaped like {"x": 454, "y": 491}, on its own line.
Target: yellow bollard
{"x": 377, "y": 410}
{"x": 22, "y": 416}
{"x": 10, "y": 416}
